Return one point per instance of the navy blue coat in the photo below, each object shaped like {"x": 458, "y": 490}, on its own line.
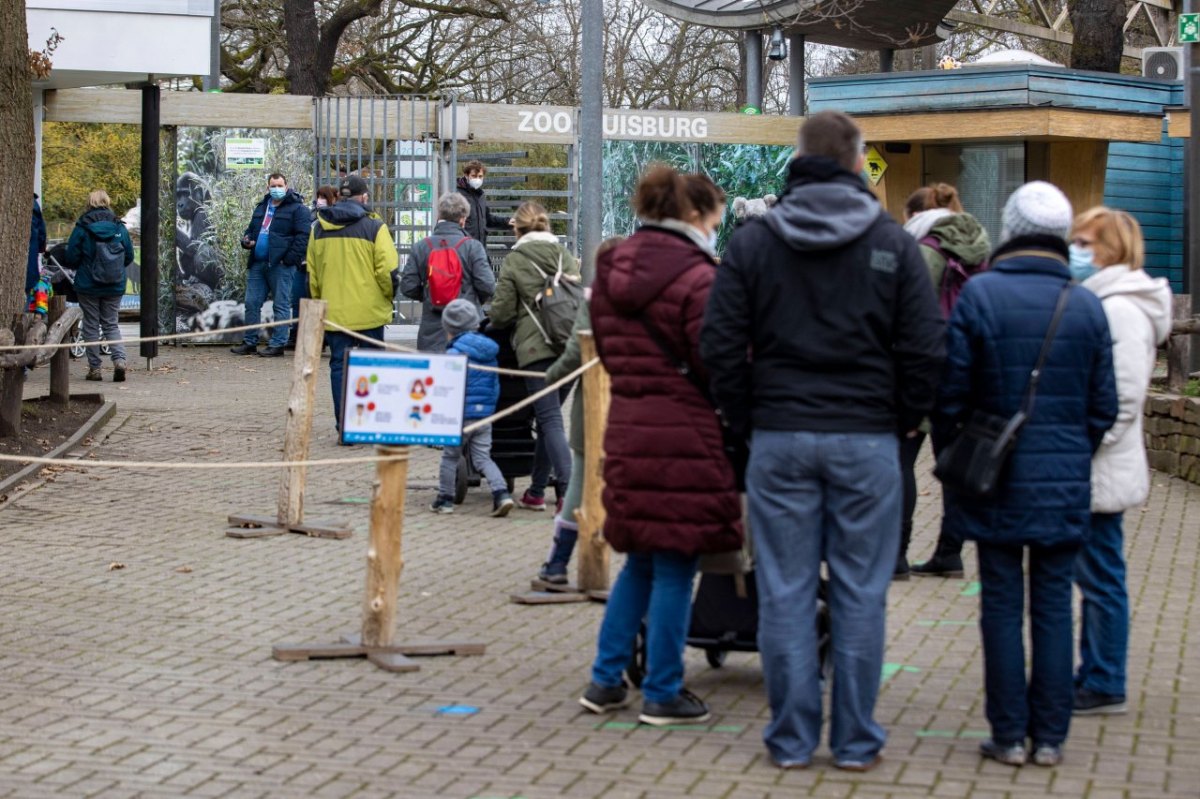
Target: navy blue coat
{"x": 37, "y": 245}
{"x": 287, "y": 239}
{"x": 995, "y": 335}
{"x": 483, "y": 388}
{"x": 101, "y": 224}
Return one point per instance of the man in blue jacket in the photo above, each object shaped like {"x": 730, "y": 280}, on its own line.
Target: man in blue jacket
{"x": 823, "y": 337}
{"x": 277, "y": 238}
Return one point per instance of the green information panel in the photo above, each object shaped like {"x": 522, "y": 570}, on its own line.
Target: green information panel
{"x": 1189, "y": 28}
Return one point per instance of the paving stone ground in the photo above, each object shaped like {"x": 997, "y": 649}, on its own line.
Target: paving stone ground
{"x": 157, "y": 680}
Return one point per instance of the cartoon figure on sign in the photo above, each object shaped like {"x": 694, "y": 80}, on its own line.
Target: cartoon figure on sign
{"x": 415, "y": 415}
{"x": 362, "y": 387}
{"x": 359, "y": 409}
{"x": 418, "y": 390}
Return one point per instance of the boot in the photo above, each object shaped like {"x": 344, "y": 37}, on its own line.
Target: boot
{"x": 554, "y": 570}
{"x": 946, "y": 561}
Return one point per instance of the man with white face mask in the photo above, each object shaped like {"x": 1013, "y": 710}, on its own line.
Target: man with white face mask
{"x": 276, "y": 237}
{"x": 480, "y": 220}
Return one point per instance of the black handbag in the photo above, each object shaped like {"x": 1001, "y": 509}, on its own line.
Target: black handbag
{"x": 972, "y": 464}
{"x": 737, "y": 451}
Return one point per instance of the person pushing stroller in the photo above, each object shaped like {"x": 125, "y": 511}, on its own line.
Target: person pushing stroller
{"x": 460, "y": 320}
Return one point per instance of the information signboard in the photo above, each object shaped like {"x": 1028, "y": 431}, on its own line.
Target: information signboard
{"x": 245, "y": 153}
{"x": 401, "y": 399}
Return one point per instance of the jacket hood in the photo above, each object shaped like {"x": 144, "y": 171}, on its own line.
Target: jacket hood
{"x": 1151, "y": 295}
{"x": 344, "y": 213}
{"x": 825, "y": 206}
{"x": 476, "y": 346}
{"x": 919, "y": 225}
{"x": 462, "y": 184}
{"x": 545, "y": 254}
{"x": 643, "y": 265}
{"x": 962, "y": 236}
{"x": 101, "y": 223}
{"x": 1052, "y": 245}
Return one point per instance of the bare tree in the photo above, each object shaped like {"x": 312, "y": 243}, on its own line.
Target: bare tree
{"x": 1099, "y": 34}
{"x": 16, "y": 192}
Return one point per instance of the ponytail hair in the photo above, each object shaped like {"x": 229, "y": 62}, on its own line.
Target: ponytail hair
{"x": 943, "y": 195}
{"x": 917, "y": 202}
{"x": 530, "y": 216}
{"x": 662, "y": 193}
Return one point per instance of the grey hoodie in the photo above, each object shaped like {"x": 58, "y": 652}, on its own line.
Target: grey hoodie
{"x": 823, "y": 216}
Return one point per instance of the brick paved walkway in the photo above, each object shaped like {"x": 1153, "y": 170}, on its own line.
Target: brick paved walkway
{"x": 158, "y": 681}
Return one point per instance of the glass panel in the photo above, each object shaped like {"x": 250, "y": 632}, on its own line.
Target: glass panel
{"x": 985, "y": 175}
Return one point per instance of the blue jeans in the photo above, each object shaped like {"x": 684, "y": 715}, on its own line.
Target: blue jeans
{"x": 261, "y": 279}
{"x": 1040, "y": 710}
{"x": 338, "y": 344}
{"x": 1104, "y": 631}
{"x": 299, "y": 292}
{"x": 551, "y": 451}
{"x": 656, "y": 587}
{"x": 837, "y": 497}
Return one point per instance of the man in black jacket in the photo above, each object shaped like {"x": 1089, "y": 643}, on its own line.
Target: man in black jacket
{"x": 277, "y": 238}
{"x": 824, "y": 341}
{"x": 480, "y": 220}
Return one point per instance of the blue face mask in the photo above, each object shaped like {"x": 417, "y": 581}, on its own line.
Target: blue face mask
{"x": 278, "y": 192}
{"x": 1082, "y": 264}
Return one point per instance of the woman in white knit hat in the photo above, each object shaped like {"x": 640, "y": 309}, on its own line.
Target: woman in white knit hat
{"x": 1041, "y": 506}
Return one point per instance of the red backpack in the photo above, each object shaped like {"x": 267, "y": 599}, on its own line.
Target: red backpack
{"x": 954, "y": 276}
{"x": 445, "y": 274}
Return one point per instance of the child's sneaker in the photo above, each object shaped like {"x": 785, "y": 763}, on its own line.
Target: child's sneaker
{"x": 442, "y": 504}
{"x": 502, "y": 503}
{"x": 553, "y": 573}
{"x": 530, "y": 502}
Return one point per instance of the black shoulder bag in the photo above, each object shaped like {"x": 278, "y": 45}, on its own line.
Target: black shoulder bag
{"x": 735, "y": 446}
{"x": 973, "y": 463}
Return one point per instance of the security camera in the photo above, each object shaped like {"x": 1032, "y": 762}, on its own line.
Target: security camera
{"x": 778, "y": 49}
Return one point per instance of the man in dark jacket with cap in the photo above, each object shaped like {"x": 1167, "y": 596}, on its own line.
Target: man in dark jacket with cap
{"x": 824, "y": 339}
{"x": 276, "y": 237}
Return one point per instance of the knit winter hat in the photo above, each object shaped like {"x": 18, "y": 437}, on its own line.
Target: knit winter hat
{"x": 459, "y": 317}
{"x": 1037, "y": 208}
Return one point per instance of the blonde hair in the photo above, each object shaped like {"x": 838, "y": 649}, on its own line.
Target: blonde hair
{"x": 530, "y": 216}
{"x": 99, "y": 199}
{"x": 1118, "y": 236}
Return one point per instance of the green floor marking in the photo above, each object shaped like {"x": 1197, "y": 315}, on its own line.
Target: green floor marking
{"x": 970, "y": 589}
{"x": 890, "y": 670}
{"x": 735, "y": 728}
{"x": 351, "y": 501}
{"x": 617, "y": 725}
{"x": 944, "y": 623}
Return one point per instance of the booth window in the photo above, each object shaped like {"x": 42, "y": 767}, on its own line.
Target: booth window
{"x": 985, "y": 175}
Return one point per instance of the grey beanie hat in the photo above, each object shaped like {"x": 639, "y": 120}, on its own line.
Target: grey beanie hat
{"x": 1037, "y": 209}
{"x": 460, "y": 316}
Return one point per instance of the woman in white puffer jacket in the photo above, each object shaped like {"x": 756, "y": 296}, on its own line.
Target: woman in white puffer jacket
{"x": 1107, "y": 253}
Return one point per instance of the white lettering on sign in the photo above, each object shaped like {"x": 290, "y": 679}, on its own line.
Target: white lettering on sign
{"x": 617, "y": 126}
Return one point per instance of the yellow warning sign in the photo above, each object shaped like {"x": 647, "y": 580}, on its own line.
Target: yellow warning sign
{"x": 876, "y": 166}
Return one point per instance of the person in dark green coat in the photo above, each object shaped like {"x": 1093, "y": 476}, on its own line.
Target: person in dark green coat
{"x": 536, "y": 256}
{"x": 99, "y": 250}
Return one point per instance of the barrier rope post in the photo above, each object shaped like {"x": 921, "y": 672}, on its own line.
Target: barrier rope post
{"x": 60, "y": 362}
{"x": 298, "y": 432}
{"x": 384, "y": 564}
{"x": 593, "y": 549}
{"x": 289, "y": 512}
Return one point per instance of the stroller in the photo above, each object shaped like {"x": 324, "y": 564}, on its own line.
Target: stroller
{"x": 513, "y": 443}
{"x": 725, "y": 619}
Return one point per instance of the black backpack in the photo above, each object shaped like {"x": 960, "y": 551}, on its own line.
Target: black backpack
{"x": 556, "y": 306}
{"x": 108, "y": 260}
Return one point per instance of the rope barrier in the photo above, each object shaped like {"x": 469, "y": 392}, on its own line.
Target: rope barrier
{"x": 139, "y": 340}
{"x": 401, "y": 348}
{"x": 80, "y": 463}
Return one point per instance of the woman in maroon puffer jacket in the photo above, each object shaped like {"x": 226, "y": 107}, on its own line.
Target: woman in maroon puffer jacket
{"x": 670, "y": 491}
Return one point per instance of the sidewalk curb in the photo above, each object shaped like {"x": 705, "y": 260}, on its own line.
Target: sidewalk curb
{"x": 98, "y": 420}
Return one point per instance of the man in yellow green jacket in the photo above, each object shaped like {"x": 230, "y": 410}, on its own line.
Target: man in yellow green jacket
{"x": 352, "y": 265}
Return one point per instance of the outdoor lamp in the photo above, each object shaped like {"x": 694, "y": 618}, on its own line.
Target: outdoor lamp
{"x": 778, "y": 49}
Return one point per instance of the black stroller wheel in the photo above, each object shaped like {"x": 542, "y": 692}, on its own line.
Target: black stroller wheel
{"x": 635, "y": 672}
{"x": 460, "y": 482}
{"x": 716, "y": 657}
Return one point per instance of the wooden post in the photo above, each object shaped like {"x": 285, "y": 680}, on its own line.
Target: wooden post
{"x": 593, "y": 549}
{"x": 60, "y": 362}
{"x": 1179, "y": 347}
{"x": 384, "y": 558}
{"x": 298, "y": 432}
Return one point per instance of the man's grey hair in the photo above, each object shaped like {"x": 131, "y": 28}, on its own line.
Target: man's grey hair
{"x": 452, "y": 207}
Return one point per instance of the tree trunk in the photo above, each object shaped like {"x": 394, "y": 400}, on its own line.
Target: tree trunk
{"x": 312, "y": 47}
{"x": 1099, "y": 27}
{"x": 16, "y": 191}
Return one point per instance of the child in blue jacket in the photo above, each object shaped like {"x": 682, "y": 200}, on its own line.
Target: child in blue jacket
{"x": 460, "y": 320}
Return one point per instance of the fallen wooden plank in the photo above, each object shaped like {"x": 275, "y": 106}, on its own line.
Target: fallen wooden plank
{"x": 546, "y": 598}
{"x": 294, "y": 652}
